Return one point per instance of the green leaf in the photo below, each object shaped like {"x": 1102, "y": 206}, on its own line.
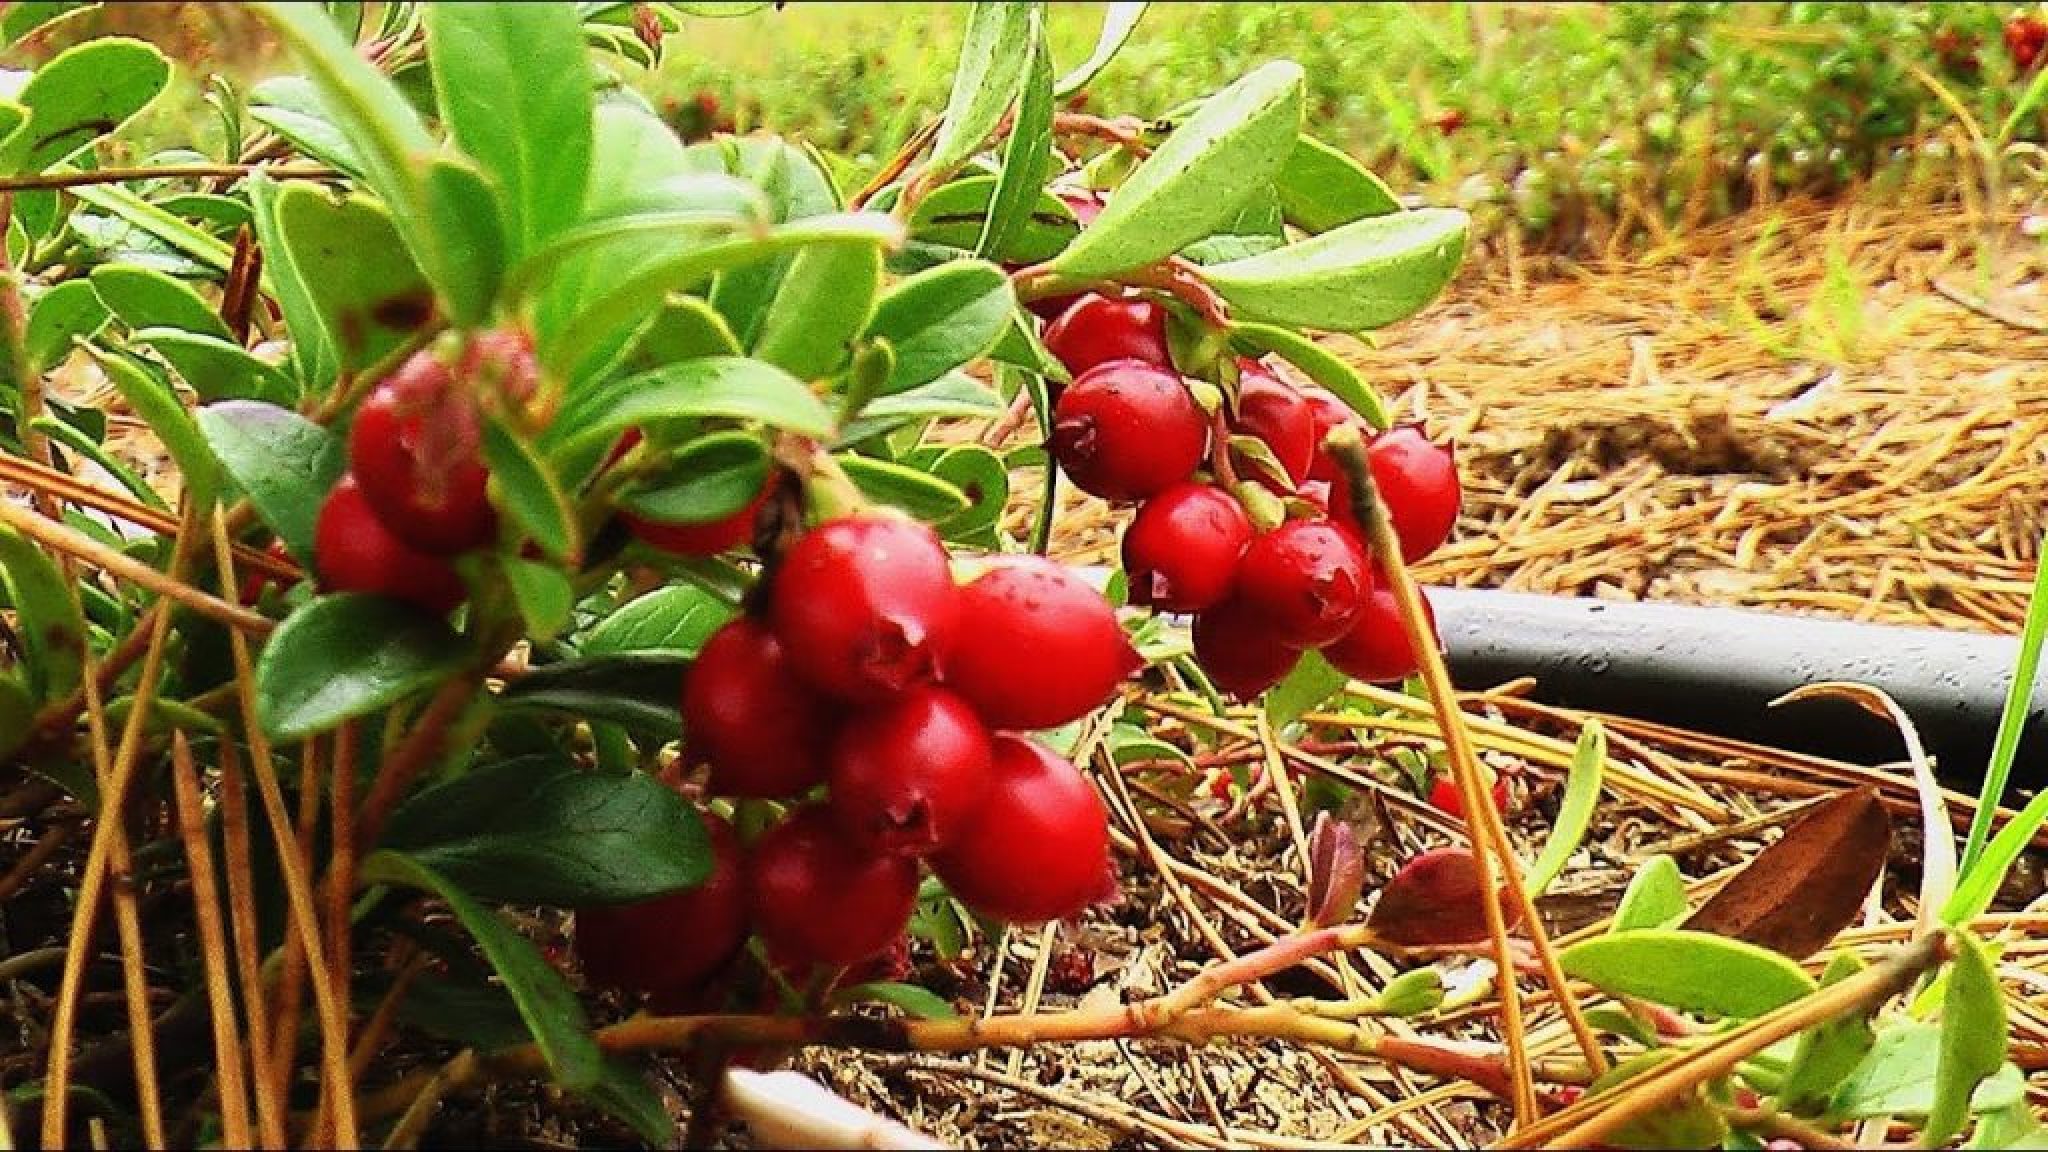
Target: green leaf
{"x": 25, "y": 16}
{"x": 47, "y": 625}
{"x": 1366, "y": 274}
{"x": 626, "y": 1092}
{"x": 528, "y": 489}
{"x": 675, "y": 618}
{"x": 514, "y": 88}
{"x": 67, "y": 312}
{"x": 1829, "y": 1052}
{"x": 913, "y": 1000}
{"x": 1020, "y": 347}
{"x": 1196, "y": 179}
{"x": 135, "y": 212}
{"x": 146, "y": 298}
{"x": 1655, "y": 898}
{"x": 546, "y": 598}
{"x": 1321, "y": 188}
{"x": 80, "y": 95}
{"x": 77, "y": 441}
{"x": 994, "y": 54}
{"x": 151, "y": 398}
{"x": 940, "y": 319}
{"x": 955, "y": 215}
{"x": 550, "y": 1007}
{"x": 1302, "y": 690}
{"x": 1897, "y": 1077}
{"x": 223, "y": 213}
{"x": 1973, "y": 1038}
{"x": 980, "y": 475}
{"x": 541, "y": 831}
{"x": 1119, "y": 20}
{"x": 469, "y": 236}
{"x": 18, "y": 708}
{"x": 1575, "y": 811}
{"x": 2010, "y": 1127}
{"x": 797, "y": 187}
{"x": 339, "y": 657}
{"x": 635, "y": 690}
{"x": 217, "y": 369}
{"x": 464, "y": 1008}
{"x": 313, "y": 355}
{"x": 1027, "y": 154}
{"x": 284, "y": 463}
{"x": 825, "y": 301}
{"x": 291, "y": 107}
{"x": 365, "y": 289}
{"x": 955, "y": 394}
{"x": 686, "y": 328}
{"x": 912, "y": 489}
{"x": 1690, "y": 971}
{"x": 710, "y": 478}
{"x": 727, "y": 386}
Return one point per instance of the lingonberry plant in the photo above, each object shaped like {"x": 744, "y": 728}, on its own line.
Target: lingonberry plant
{"x": 653, "y": 582}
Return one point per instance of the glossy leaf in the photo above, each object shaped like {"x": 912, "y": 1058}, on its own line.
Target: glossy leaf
{"x": 542, "y": 831}
{"x": 636, "y": 690}
{"x": 1312, "y": 682}
{"x": 528, "y": 489}
{"x": 686, "y": 328}
{"x": 675, "y": 618}
{"x": 1654, "y": 898}
{"x": 825, "y": 301}
{"x": 26, "y": 16}
{"x": 1197, "y": 178}
{"x": 980, "y": 475}
{"x": 546, "y": 598}
{"x": 1973, "y": 1038}
{"x": 284, "y": 463}
{"x": 548, "y": 1004}
{"x": 1690, "y": 971}
{"x": 955, "y": 215}
{"x": 365, "y": 289}
{"x": 1118, "y": 21}
{"x": 914, "y": 490}
{"x": 1321, "y": 188}
{"x": 339, "y": 657}
{"x": 469, "y": 234}
{"x": 797, "y": 187}
{"x": 1366, "y": 274}
{"x": 66, "y": 312}
{"x": 514, "y": 88}
{"x": 955, "y": 394}
{"x": 726, "y": 386}
{"x": 152, "y": 398}
{"x": 710, "y": 478}
{"x": 292, "y": 107}
{"x": 313, "y": 354}
{"x": 80, "y": 95}
{"x": 994, "y": 54}
{"x": 146, "y": 298}
{"x": 938, "y": 320}
{"x": 217, "y": 369}
{"x": 1027, "y": 153}
{"x": 1575, "y": 811}
{"x": 174, "y": 234}
{"x": 47, "y": 624}
{"x": 1794, "y": 896}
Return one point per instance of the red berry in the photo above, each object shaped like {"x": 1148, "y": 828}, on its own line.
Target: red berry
{"x": 1239, "y": 651}
{"x": 817, "y": 898}
{"x": 667, "y": 946}
{"x": 1038, "y": 847}
{"x": 1330, "y": 414}
{"x": 764, "y": 732}
{"x": 865, "y": 606}
{"x": 1270, "y": 409}
{"x": 250, "y": 590}
{"x": 1376, "y": 649}
{"x": 1126, "y": 430}
{"x": 707, "y": 538}
{"x": 1419, "y": 481}
{"x": 501, "y": 362}
{"x": 1307, "y": 579}
{"x": 417, "y": 449}
{"x": 907, "y": 775}
{"x": 1180, "y": 551}
{"x": 1037, "y": 647}
{"x": 1445, "y": 797}
{"x": 356, "y": 552}
{"x": 1099, "y": 329}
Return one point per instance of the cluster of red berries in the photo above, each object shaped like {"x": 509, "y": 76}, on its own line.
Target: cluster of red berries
{"x": 416, "y": 491}
{"x": 873, "y": 674}
{"x": 1129, "y": 430}
{"x": 2025, "y": 39}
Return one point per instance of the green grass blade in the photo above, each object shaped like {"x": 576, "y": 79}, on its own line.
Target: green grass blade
{"x": 2019, "y": 697}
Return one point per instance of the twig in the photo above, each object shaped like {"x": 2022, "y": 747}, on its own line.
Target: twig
{"x": 162, "y": 172}
{"x": 63, "y": 538}
{"x": 25, "y": 869}
{"x": 291, "y": 979}
{"x": 413, "y": 1124}
{"x": 271, "y": 1106}
{"x": 421, "y": 747}
{"x": 228, "y": 1055}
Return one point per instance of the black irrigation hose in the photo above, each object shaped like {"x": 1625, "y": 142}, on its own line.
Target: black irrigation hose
{"x": 1716, "y": 670}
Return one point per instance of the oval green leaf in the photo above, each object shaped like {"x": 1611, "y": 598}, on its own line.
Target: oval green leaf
{"x": 675, "y": 618}
{"x": 994, "y": 53}
{"x": 1690, "y": 971}
{"x": 339, "y": 657}
{"x": 710, "y": 478}
{"x": 1973, "y": 1038}
{"x": 284, "y": 463}
{"x": 217, "y": 369}
{"x": 82, "y": 94}
{"x": 146, "y": 298}
{"x": 365, "y": 289}
{"x": 469, "y": 256}
{"x": 728, "y": 386}
{"x": 1321, "y": 188}
{"x": 1655, "y": 898}
{"x": 1318, "y": 364}
{"x": 940, "y": 319}
{"x": 635, "y": 690}
{"x": 955, "y": 215}
{"x": 915, "y": 491}
{"x": 824, "y": 301}
{"x": 1367, "y": 274}
{"x": 65, "y": 313}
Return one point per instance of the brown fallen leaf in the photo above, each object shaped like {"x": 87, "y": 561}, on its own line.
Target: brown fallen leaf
{"x": 1796, "y": 895}
{"x": 1435, "y": 901}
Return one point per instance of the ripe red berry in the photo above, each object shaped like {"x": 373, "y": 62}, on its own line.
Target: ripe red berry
{"x": 763, "y": 730}
{"x": 906, "y": 776}
{"x": 816, "y": 897}
{"x": 1376, "y": 649}
{"x": 1330, "y": 414}
{"x": 707, "y": 538}
{"x": 1306, "y": 579}
{"x": 1239, "y": 652}
{"x": 1270, "y": 409}
{"x": 1180, "y": 551}
{"x": 356, "y": 552}
{"x": 1419, "y": 481}
{"x": 1038, "y": 847}
{"x": 1037, "y": 646}
{"x": 417, "y": 449}
{"x": 1445, "y": 797}
{"x": 865, "y": 606}
{"x": 1099, "y": 329}
{"x": 250, "y": 590}
{"x": 667, "y": 946}
{"x": 1126, "y": 430}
